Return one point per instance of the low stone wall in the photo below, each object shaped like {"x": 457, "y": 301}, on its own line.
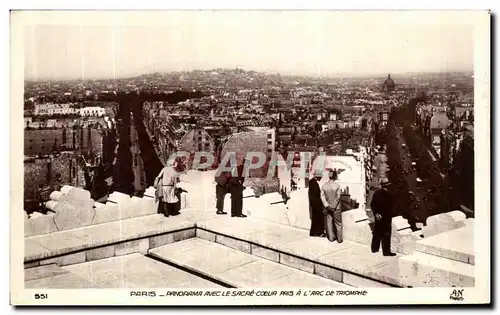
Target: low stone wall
{"x": 140, "y": 245}
{"x": 72, "y": 208}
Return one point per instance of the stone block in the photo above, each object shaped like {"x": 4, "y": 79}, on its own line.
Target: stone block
{"x": 150, "y": 192}
{"x": 455, "y": 245}
{"x": 118, "y": 197}
{"x": 75, "y": 209}
{"x": 51, "y": 205}
{"x": 328, "y": 272}
{"x": 43, "y": 272}
{"x": 400, "y": 223}
{"x": 297, "y": 263}
{"x": 361, "y": 282}
{"x": 443, "y": 222}
{"x": 39, "y": 224}
{"x": 354, "y": 259}
{"x": 110, "y": 212}
{"x": 100, "y": 253}
{"x": 65, "y": 260}
{"x": 265, "y": 253}
{"x": 200, "y": 194}
{"x": 209, "y": 236}
{"x": 160, "y": 240}
{"x": 135, "y": 246}
{"x": 242, "y": 246}
{"x": 55, "y": 195}
{"x": 358, "y": 232}
{"x": 402, "y": 241}
{"x": 99, "y": 204}
{"x": 148, "y": 206}
{"x": 353, "y": 216}
{"x": 273, "y": 197}
{"x": 248, "y": 192}
{"x": 66, "y": 189}
{"x": 184, "y": 235}
{"x": 423, "y": 270}
{"x": 131, "y": 208}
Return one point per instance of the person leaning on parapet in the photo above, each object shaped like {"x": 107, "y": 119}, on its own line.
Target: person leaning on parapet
{"x": 381, "y": 206}
{"x": 236, "y": 189}
{"x": 316, "y": 206}
{"x": 165, "y": 184}
{"x": 221, "y": 189}
{"x": 330, "y": 196}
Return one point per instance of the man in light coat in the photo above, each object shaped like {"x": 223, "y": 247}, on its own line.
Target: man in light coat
{"x": 330, "y": 196}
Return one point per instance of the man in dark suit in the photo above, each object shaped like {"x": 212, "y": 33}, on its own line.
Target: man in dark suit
{"x": 221, "y": 189}
{"x": 316, "y": 206}
{"x": 381, "y": 206}
{"x": 236, "y": 190}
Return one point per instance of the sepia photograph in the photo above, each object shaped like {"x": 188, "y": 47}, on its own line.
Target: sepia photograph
{"x": 250, "y": 157}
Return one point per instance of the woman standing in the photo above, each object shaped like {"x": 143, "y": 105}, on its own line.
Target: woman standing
{"x": 166, "y": 184}
{"x": 316, "y": 207}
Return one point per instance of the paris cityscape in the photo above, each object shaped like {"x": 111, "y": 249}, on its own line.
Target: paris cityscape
{"x": 275, "y": 161}
{"x": 71, "y": 129}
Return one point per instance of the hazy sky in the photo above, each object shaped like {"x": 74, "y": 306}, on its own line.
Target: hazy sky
{"x": 313, "y": 43}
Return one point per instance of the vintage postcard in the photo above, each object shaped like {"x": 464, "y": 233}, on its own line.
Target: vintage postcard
{"x": 250, "y": 157}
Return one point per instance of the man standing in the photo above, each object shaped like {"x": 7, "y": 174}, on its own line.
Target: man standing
{"x": 236, "y": 189}
{"x": 221, "y": 189}
{"x": 381, "y": 206}
{"x": 330, "y": 196}
{"x": 316, "y": 207}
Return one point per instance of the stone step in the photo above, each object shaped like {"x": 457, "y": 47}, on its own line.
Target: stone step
{"x": 136, "y": 271}
{"x": 53, "y": 277}
{"x": 439, "y": 271}
{"x": 444, "y": 222}
{"x": 455, "y": 245}
{"x": 236, "y": 268}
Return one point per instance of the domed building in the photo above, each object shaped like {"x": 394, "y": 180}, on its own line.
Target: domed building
{"x": 389, "y": 84}
{"x": 250, "y": 141}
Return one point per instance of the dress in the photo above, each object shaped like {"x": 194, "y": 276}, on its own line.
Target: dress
{"x": 167, "y": 181}
{"x": 316, "y": 209}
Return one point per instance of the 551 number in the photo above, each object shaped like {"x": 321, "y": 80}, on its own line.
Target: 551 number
{"x": 41, "y": 296}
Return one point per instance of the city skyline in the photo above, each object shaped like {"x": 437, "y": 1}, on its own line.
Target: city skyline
{"x": 303, "y": 43}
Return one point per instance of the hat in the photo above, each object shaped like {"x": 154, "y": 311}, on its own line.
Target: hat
{"x": 384, "y": 182}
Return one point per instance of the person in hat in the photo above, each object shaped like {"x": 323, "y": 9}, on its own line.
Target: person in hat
{"x": 381, "y": 206}
{"x": 221, "y": 189}
{"x": 316, "y": 206}
{"x": 236, "y": 190}
{"x": 330, "y": 196}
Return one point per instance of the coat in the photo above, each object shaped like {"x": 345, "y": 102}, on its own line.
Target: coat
{"x": 314, "y": 194}
{"x": 166, "y": 184}
{"x": 381, "y": 204}
{"x": 236, "y": 182}
{"x": 330, "y": 195}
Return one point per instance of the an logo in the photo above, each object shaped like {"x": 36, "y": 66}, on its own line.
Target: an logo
{"x": 457, "y": 295}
